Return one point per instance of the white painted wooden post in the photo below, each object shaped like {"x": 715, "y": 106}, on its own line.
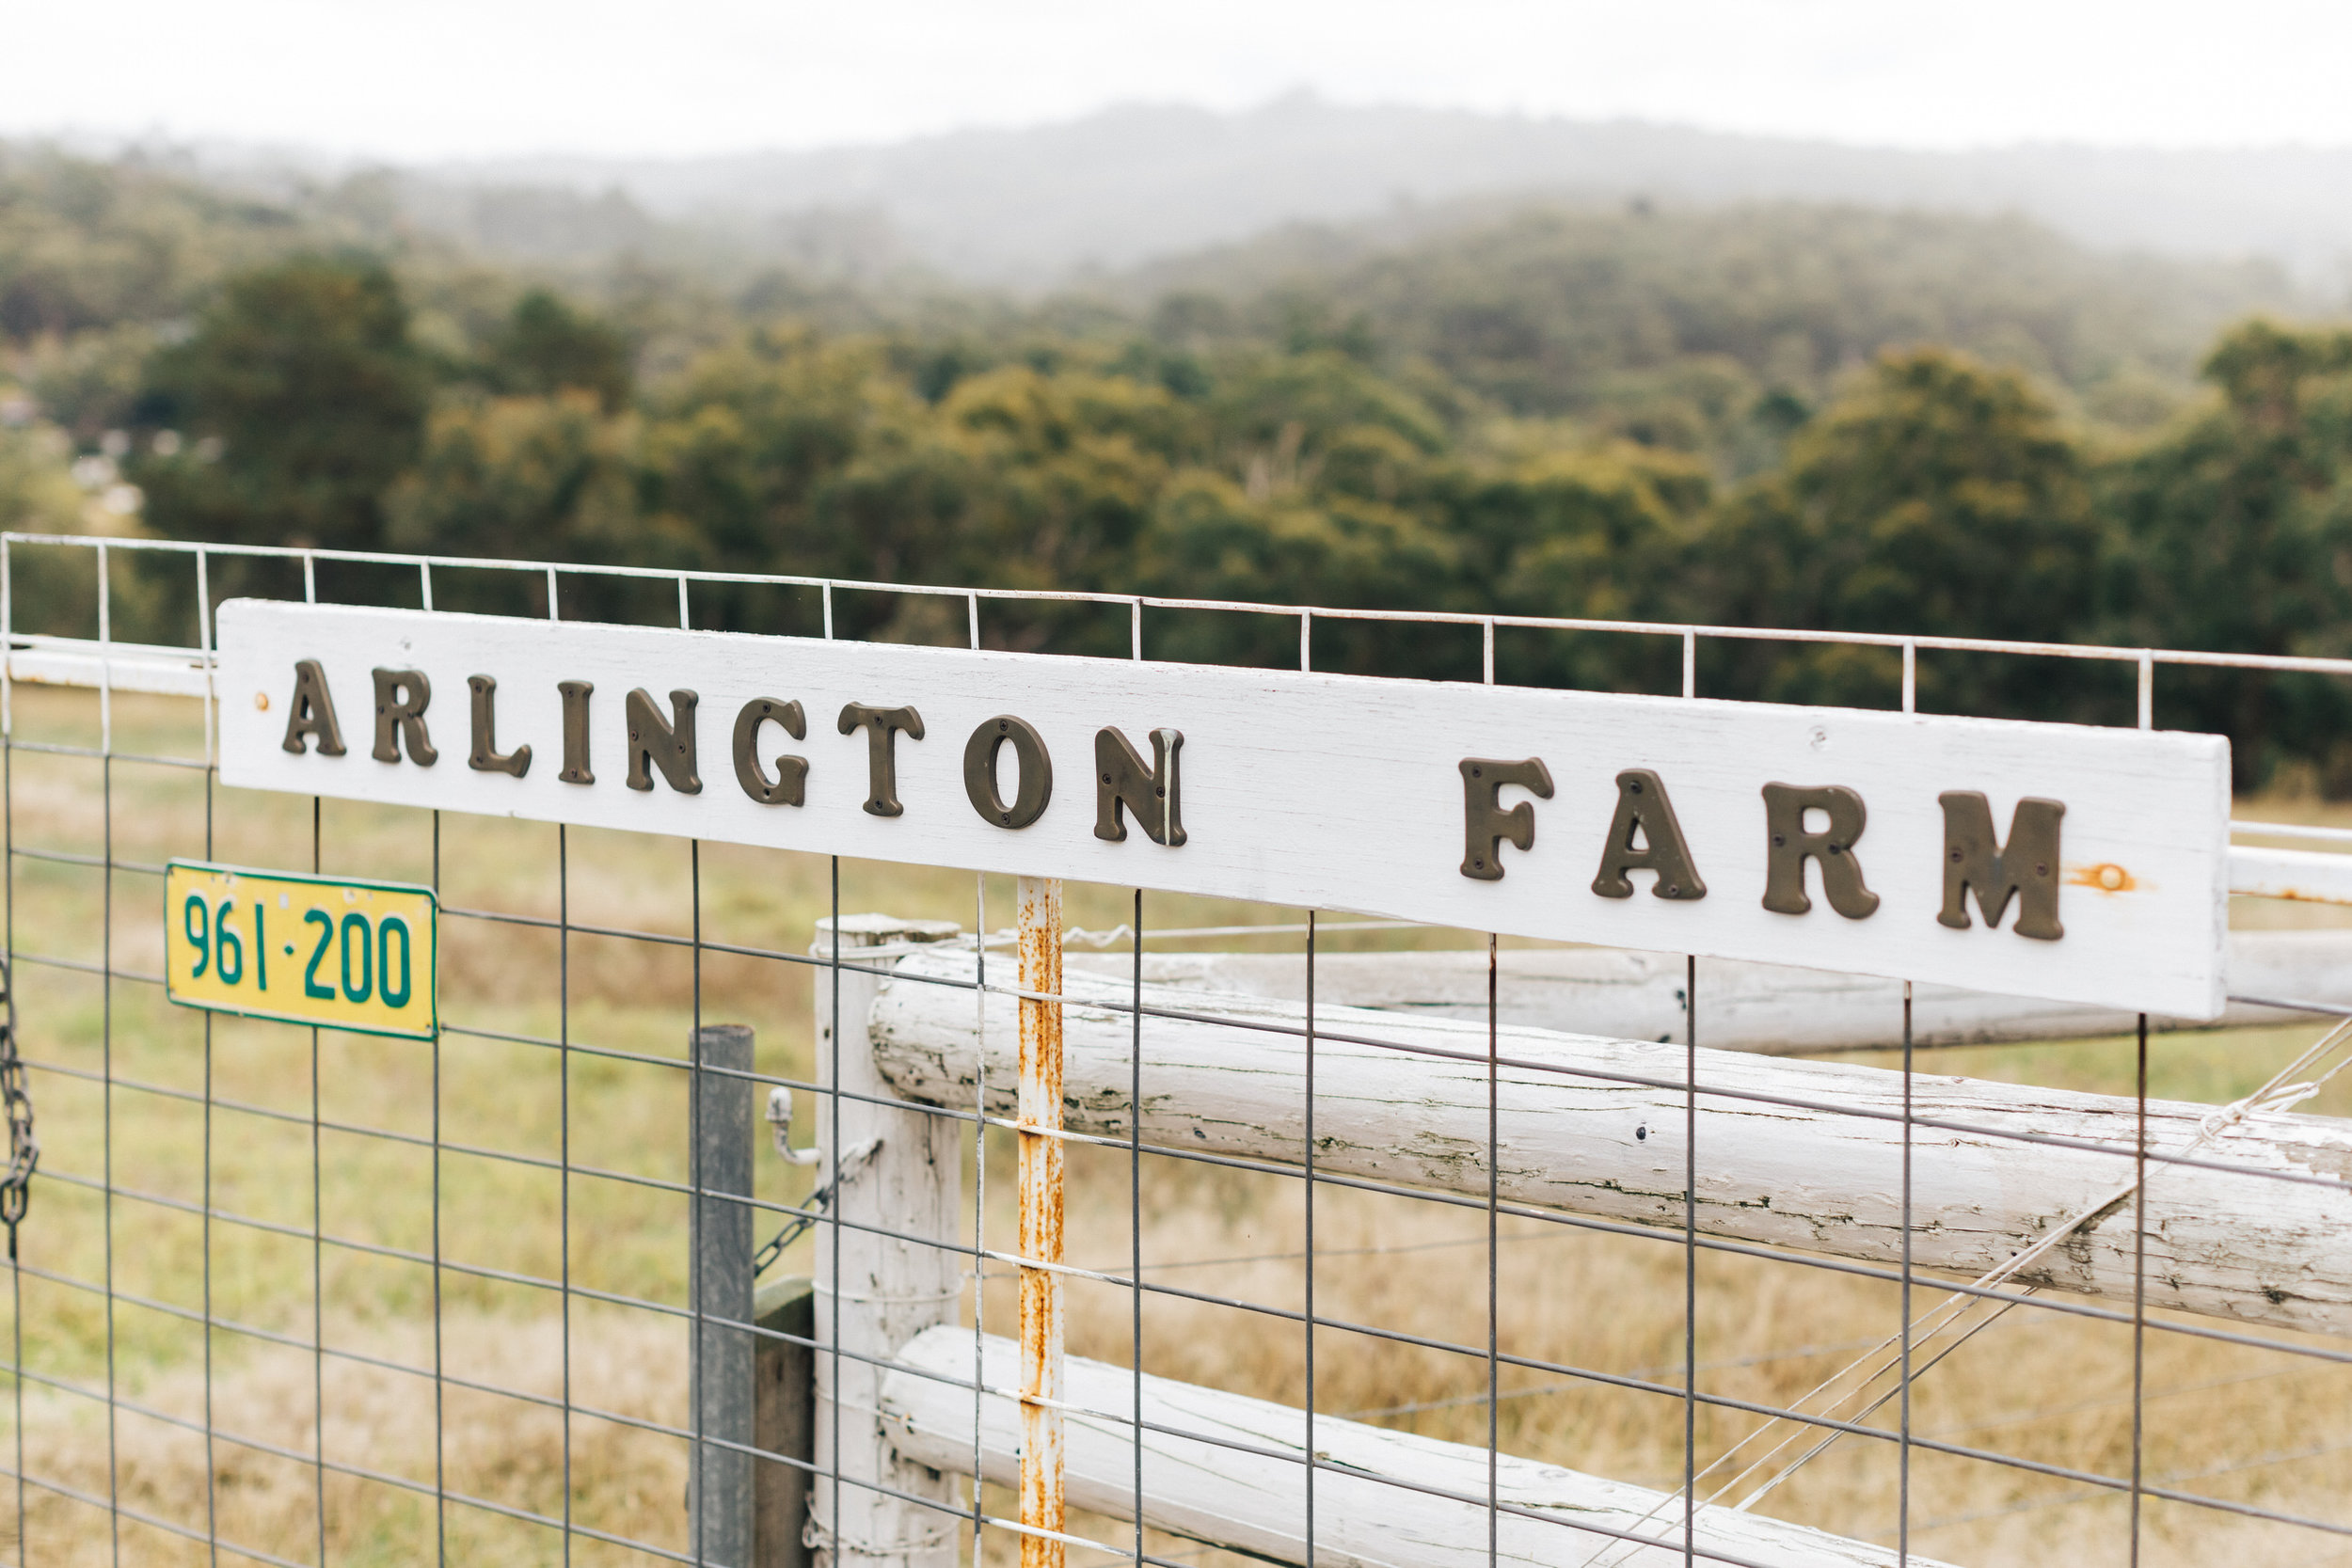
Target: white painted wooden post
{"x": 904, "y": 1175}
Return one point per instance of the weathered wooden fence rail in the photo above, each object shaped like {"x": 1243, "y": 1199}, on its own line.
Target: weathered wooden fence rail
{"x": 919, "y": 1401}
{"x": 1383, "y": 1500}
{"x": 1797, "y": 1154}
{"x": 1749, "y": 1006}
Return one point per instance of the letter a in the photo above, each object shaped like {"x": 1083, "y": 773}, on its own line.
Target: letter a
{"x": 1642, "y": 807}
{"x": 313, "y": 711}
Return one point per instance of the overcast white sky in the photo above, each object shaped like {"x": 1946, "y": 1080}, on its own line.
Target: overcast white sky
{"x": 426, "y": 79}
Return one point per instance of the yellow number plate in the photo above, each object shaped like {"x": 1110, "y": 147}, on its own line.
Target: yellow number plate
{"x": 339, "y": 954}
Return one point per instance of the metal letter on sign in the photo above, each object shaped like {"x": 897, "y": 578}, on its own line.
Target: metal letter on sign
{"x": 2027, "y": 865}
{"x": 311, "y": 713}
{"x": 576, "y": 732}
{"x": 1155, "y": 794}
{"x": 486, "y": 757}
{"x": 1485, "y": 826}
{"x": 1036, "y": 788}
{"x": 667, "y": 743}
{"x": 882, "y": 726}
{"x": 1643, "y": 808}
{"x": 787, "y": 787}
{"x": 1832, "y": 848}
{"x": 400, "y": 698}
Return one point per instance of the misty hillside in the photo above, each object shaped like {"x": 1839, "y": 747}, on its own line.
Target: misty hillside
{"x": 1029, "y": 207}
{"x": 1700, "y": 327}
{"x": 1626, "y": 313}
{"x": 1742, "y": 412}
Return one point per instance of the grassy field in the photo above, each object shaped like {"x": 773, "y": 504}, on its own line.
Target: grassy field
{"x": 121, "y": 1078}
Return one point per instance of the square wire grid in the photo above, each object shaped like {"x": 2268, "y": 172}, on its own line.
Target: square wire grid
{"x": 357, "y": 1375}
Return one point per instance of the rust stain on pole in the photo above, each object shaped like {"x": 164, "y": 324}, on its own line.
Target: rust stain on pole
{"x": 1039, "y": 1108}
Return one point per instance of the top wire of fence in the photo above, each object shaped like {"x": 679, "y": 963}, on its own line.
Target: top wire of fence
{"x": 552, "y": 574}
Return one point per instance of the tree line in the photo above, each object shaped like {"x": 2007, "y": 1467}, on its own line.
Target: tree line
{"x": 1727, "y": 419}
{"x": 1932, "y": 494}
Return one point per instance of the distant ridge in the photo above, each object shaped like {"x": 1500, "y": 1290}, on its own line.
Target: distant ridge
{"x": 1034, "y": 207}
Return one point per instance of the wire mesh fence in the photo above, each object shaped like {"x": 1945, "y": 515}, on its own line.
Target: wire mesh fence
{"x": 727, "y": 1213}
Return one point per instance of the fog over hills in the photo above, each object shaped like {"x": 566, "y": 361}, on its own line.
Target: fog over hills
{"x": 1034, "y": 207}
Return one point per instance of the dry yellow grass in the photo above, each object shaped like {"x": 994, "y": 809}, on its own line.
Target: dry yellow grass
{"x": 2038, "y": 1386}
{"x": 624, "y": 1481}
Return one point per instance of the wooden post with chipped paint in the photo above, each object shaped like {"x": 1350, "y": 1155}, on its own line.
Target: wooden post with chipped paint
{"x": 886, "y": 1272}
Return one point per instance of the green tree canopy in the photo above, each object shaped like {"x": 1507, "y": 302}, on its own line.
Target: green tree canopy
{"x": 548, "y": 345}
{"x": 1938, "y": 496}
{"x": 2235, "y": 533}
{"x": 306, "y": 399}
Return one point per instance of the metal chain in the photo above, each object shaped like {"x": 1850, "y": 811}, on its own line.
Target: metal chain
{"x": 814, "y": 1210}
{"x": 792, "y": 1233}
{"x": 16, "y": 1190}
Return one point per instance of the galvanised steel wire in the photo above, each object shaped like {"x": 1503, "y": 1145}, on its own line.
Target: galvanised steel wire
{"x": 566, "y": 1290}
{"x": 1263, "y": 1167}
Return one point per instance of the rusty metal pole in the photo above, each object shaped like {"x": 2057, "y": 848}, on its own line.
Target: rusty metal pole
{"x": 1040, "y": 1113}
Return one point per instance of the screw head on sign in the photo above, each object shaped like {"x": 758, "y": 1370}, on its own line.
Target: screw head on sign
{"x": 261, "y": 700}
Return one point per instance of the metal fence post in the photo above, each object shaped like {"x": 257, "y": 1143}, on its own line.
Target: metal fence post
{"x": 1042, "y": 1456}
{"x": 902, "y": 1218}
{"x": 722, "y": 1296}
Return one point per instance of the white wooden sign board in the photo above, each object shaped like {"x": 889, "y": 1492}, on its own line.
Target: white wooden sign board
{"x": 1330, "y": 792}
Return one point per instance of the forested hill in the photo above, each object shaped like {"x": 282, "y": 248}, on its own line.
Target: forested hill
{"x": 1764, "y": 416}
{"x": 1616, "y": 311}
{"x": 1667, "y": 323}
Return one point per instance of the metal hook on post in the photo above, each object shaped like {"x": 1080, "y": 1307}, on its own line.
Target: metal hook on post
{"x": 780, "y": 1120}
{"x": 853, "y": 1161}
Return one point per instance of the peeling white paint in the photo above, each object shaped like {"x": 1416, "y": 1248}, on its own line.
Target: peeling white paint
{"x": 1812, "y": 1175}
{"x": 1201, "y": 1488}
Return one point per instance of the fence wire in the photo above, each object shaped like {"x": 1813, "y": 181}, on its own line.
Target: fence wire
{"x": 290, "y": 1296}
